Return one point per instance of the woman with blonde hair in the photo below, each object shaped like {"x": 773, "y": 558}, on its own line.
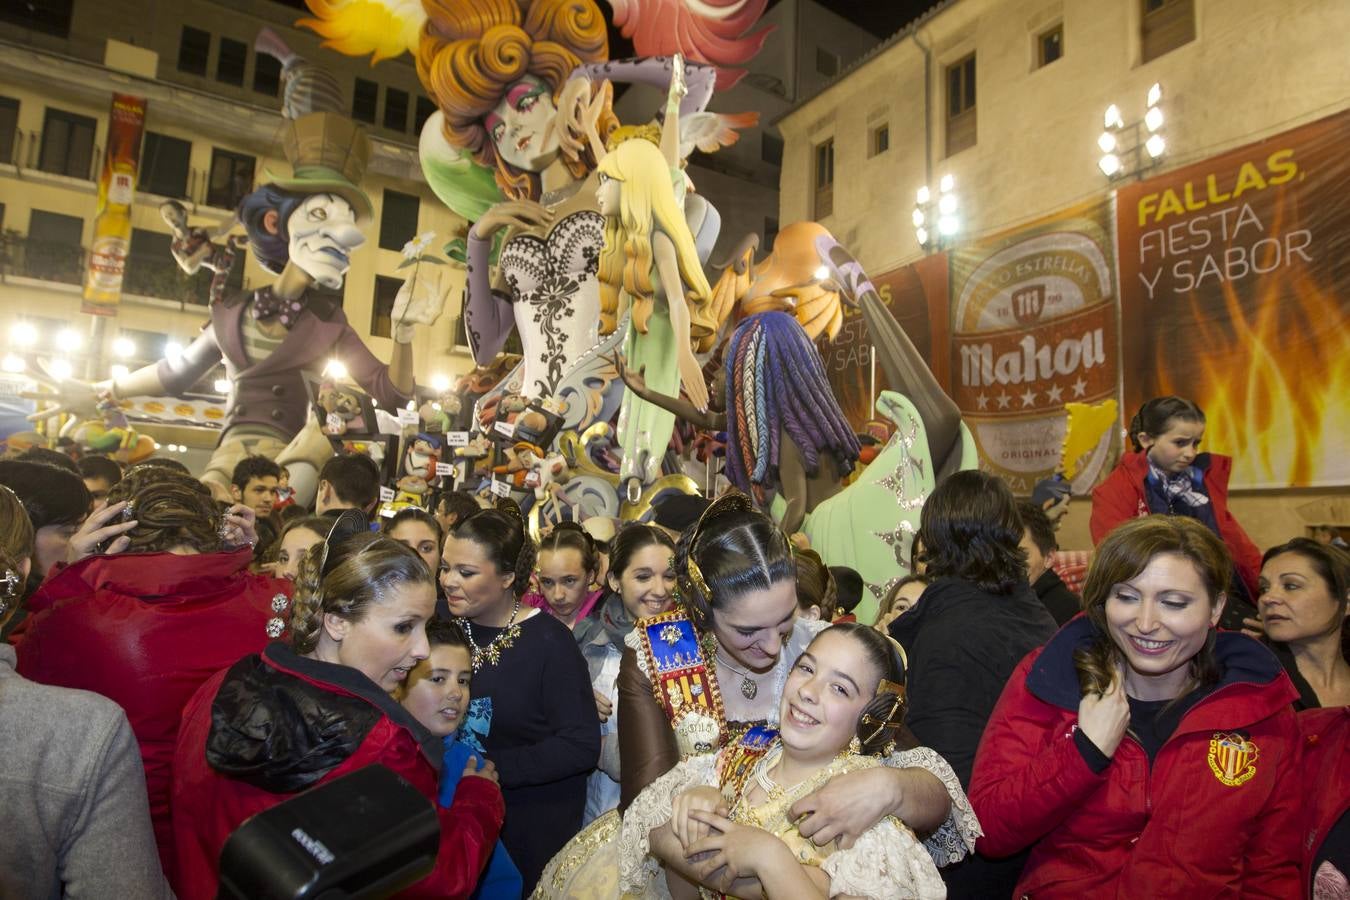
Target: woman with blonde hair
{"x": 650, "y": 265}
{"x": 1139, "y": 727}
{"x": 318, "y": 706}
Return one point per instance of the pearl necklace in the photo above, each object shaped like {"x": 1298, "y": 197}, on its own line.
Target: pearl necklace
{"x": 492, "y": 653}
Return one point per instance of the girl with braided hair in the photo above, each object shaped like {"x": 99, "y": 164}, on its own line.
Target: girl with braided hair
{"x": 149, "y": 617}
{"x": 533, "y": 712}
{"x": 317, "y": 706}
{"x": 694, "y": 678}
{"x": 724, "y": 819}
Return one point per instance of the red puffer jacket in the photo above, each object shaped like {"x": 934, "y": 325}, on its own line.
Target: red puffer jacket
{"x": 276, "y": 724}
{"x": 1121, "y": 497}
{"x": 145, "y": 630}
{"x": 1326, "y": 780}
{"x": 1204, "y": 820}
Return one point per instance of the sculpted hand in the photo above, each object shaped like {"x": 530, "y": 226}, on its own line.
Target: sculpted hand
{"x": 693, "y": 801}
{"x": 691, "y": 377}
{"x": 79, "y": 398}
{"x": 96, "y": 530}
{"x": 846, "y": 806}
{"x": 1105, "y": 717}
{"x": 420, "y": 301}
{"x": 636, "y": 381}
{"x": 524, "y": 215}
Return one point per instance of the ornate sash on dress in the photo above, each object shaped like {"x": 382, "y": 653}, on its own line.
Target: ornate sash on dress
{"x": 683, "y": 682}
{"x": 739, "y": 759}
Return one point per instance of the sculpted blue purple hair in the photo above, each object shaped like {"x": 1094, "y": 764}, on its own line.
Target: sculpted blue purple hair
{"x": 776, "y": 384}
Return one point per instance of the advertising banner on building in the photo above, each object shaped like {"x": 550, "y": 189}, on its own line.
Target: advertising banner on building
{"x": 916, "y": 295}
{"x": 1235, "y": 288}
{"x": 116, "y": 192}
{"x": 1034, "y": 327}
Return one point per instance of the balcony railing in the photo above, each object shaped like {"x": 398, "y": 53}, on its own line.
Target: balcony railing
{"x": 65, "y": 264}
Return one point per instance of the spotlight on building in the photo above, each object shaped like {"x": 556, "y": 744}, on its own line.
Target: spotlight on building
{"x": 440, "y": 383}
{"x": 941, "y": 213}
{"x": 335, "y": 370}
{"x": 118, "y": 371}
{"x": 124, "y": 347}
{"x": 173, "y": 350}
{"x": 60, "y": 368}
{"x": 821, "y": 273}
{"x": 1129, "y": 149}
{"x": 13, "y": 363}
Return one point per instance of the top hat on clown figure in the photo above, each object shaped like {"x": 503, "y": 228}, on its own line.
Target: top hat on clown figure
{"x": 328, "y": 153}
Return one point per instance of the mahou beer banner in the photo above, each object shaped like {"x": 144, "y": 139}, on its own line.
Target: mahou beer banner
{"x": 1033, "y": 327}
{"x": 116, "y": 192}
{"x": 1235, "y": 284}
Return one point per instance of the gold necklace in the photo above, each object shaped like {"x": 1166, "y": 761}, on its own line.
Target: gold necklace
{"x": 492, "y": 653}
{"x": 772, "y": 814}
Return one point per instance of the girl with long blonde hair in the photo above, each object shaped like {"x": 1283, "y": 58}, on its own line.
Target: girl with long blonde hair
{"x": 651, "y": 265}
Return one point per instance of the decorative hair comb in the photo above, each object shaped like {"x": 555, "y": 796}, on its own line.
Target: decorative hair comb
{"x": 731, "y": 501}
{"x": 10, "y": 584}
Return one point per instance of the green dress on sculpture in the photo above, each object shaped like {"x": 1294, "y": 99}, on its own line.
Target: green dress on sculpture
{"x": 645, "y": 429}
{"x": 870, "y": 525}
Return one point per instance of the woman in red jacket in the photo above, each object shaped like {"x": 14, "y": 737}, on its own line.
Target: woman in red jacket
{"x": 146, "y": 625}
{"x": 302, "y": 714}
{"x": 1142, "y": 753}
{"x": 1167, "y": 473}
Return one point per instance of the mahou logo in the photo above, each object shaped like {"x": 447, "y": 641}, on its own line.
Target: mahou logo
{"x": 1034, "y": 328}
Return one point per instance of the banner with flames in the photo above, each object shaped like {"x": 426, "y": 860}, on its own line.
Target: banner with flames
{"x": 1235, "y": 290}
{"x": 1033, "y": 320}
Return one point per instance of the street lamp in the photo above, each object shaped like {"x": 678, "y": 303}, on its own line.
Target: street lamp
{"x": 936, "y": 223}
{"x": 1132, "y": 148}
{"x": 23, "y": 334}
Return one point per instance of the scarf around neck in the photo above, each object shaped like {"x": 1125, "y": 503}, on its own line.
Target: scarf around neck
{"x": 1181, "y": 487}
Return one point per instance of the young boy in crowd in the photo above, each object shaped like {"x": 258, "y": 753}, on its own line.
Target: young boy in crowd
{"x": 437, "y": 694}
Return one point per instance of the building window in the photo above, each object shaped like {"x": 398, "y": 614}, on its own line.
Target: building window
{"x": 382, "y": 313}
{"x": 1049, "y": 46}
{"x": 266, "y": 74}
{"x": 824, "y": 180}
{"x": 771, "y": 149}
{"x": 425, "y": 110}
{"x": 151, "y": 270}
{"x": 395, "y": 109}
{"x": 961, "y": 105}
{"x": 67, "y": 144}
{"x": 49, "y": 16}
{"x": 364, "y": 97}
{"x": 880, "y": 139}
{"x": 827, "y": 63}
{"x": 1164, "y": 26}
{"x": 194, "y": 46}
{"x": 398, "y": 220}
{"x": 164, "y": 165}
{"x": 9, "y": 127}
{"x": 54, "y": 250}
{"x": 230, "y": 65}
{"x": 231, "y": 178}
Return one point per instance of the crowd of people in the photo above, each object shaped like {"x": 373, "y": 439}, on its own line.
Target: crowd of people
{"x": 684, "y": 707}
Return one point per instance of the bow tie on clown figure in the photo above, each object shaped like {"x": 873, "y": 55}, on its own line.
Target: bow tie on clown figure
{"x": 304, "y": 230}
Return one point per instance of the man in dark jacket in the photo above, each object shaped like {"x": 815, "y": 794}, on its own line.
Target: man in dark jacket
{"x": 977, "y": 620}
{"x": 1038, "y": 541}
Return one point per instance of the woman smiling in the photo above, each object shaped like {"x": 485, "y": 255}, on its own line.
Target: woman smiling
{"x": 1137, "y": 729}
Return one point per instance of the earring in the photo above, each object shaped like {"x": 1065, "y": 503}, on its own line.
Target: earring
{"x": 855, "y": 746}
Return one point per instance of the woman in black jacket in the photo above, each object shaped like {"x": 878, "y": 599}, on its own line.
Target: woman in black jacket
{"x": 978, "y": 618}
